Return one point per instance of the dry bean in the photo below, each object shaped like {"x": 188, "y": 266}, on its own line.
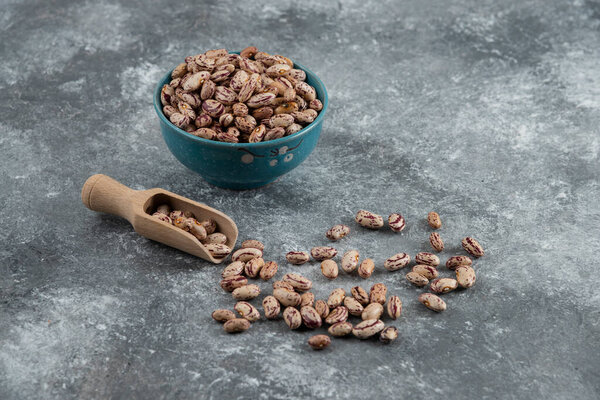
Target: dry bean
{"x": 162, "y": 217}
{"x": 350, "y": 260}
{"x": 369, "y": 219}
{"x": 247, "y": 311}
{"x": 282, "y": 285}
{"x": 246, "y": 254}
{"x": 436, "y": 241}
{"x": 465, "y": 276}
{"x": 394, "y": 307}
{"x": 329, "y": 269}
{"x": 236, "y": 325}
{"x": 321, "y": 253}
{"x": 293, "y": 128}
{"x": 456, "y": 261}
{"x": 319, "y": 342}
{"x": 472, "y": 247}
{"x": 427, "y": 259}
{"x": 337, "y": 232}
{"x": 217, "y": 250}
{"x": 322, "y": 308}
{"x": 353, "y": 306}
{"x": 427, "y": 271}
{"x": 360, "y": 295}
{"x": 217, "y": 237}
{"x": 368, "y": 328}
{"x": 257, "y": 134}
{"x": 310, "y": 317}
{"x": 273, "y": 134}
{"x": 233, "y": 269}
{"x": 297, "y": 281}
{"x": 336, "y": 298}
{"x": 233, "y": 282}
{"x": 432, "y": 302}
{"x": 253, "y": 267}
{"x": 287, "y": 298}
{"x": 338, "y": 314}
{"x": 271, "y": 307}
{"x": 210, "y": 225}
{"x": 268, "y": 270}
{"x": 196, "y": 229}
{"x": 308, "y": 299}
{"x": 396, "y": 222}
{"x": 388, "y": 335}
{"x": 443, "y": 285}
{"x": 247, "y": 292}
{"x": 365, "y": 269}
{"x": 292, "y": 318}
{"x": 372, "y": 311}
{"x": 222, "y": 315}
{"x": 396, "y": 262}
{"x": 340, "y": 329}
{"x": 378, "y": 293}
{"x": 297, "y": 257}
{"x": 205, "y": 133}
{"x": 434, "y": 221}
{"x": 417, "y": 279}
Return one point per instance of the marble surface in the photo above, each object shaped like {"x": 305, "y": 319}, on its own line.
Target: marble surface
{"x": 487, "y": 112}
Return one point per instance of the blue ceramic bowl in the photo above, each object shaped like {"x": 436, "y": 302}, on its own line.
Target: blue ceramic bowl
{"x": 242, "y": 165}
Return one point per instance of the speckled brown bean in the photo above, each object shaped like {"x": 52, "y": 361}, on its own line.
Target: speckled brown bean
{"x": 368, "y": 328}
{"x": 210, "y": 225}
{"x": 305, "y": 117}
{"x": 222, "y": 315}
{"x": 233, "y": 282}
{"x": 237, "y": 82}
{"x": 167, "y": 95}
{"x": 436, "y": 241}
{"x": 321, "y": 253}
{"x": 329, "y": 269}
{"x": 378, "y": 293}
{"x": 394, "y": 307}
{"x": 292, "y": 318}
{"x": 322, "y": 308}
{"x": 396, "y": 222}
{"x": 337, "y": 232}
{"x": 208, "y": 90}
{"x": 297, "y": 281}
{"x": 293, "y": 128}
{"x": 315, "y": 105}
{"x": 388, "y": 335}
{"x": 169, "y": 110}
{"x": 179, "y": 71}
{"x": 179, "y": 120}
{"x": 262, "y": 113}
{"x": 217, "y": 237}
{"x": 217, "y": 250}
{"x": 186, "y": 110}
{"x": 368, "y": 219}
{"x": 194, "y": 81}
{"x": 305, "y": 90}
{"x": 282, "y": 120}
{"x": 365, "y": 269}
{"x": 247, "y": 310}
{"x": 456, "y": 261}
{"x": 233, "y": 269}
{"x": 203, "y": 121}
{"x": 340, "y": 329}
{"x": 249, "y": 52}
{"x": 236, "y": 325}
{"x": 417, "y": 279}
{"x": 258, "y": 134}
{"x": 196, "y": 229}
{"x": 432, "y": 302}
{"x": 372, "y": 311}
{"x": 287, "y": 298}
{"x": 310, "y": 317}
{"x": 396, "y": 262}
{"x": 271, "y": 307}
{"x": 162, "y": 217}
{"x": 308, "y": 299}
{"x": 246, "y": 292}
{"x": 427, "y": 259}
{"x": 239, "y": 110}
{"x": 297, "y": 257}
{"x": 434, "y": 220}
{"x": 177, "y": 214}
{"x": 472, "y": 247}
{"x": 205, "y": 133}
{"x": 465, "y": 276}
{"x": 163, "y": 209}
{"x": 338, "y": 314}
{"x": 275, "y": 133}
{"x": 353, "y": 306}
{"x": 360, "y": 295}
{"x": 245, "y": 124}
{"x": 248, "y": 87}
{"x": 253, "y": 267}
{"x": 268, "y": 270}
{"x": 427, "y": 271}
{"x": 246, "y": 254}
{"x": 336, "y": 297}
{"x": 319, "y": 342}
{"x": 286, "y": 108}
{"x": 350, "y": 260}
{"x": 283, "y": 285}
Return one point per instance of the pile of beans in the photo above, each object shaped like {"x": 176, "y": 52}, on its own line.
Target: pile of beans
{"x": 291, "y": 297}
{"x": 251, "y": 97}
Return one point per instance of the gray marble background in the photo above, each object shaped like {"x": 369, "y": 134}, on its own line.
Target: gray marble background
{"x": 485, "y": 111}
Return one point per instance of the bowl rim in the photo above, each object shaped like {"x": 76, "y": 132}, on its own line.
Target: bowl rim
{"x": 215, "y": 143}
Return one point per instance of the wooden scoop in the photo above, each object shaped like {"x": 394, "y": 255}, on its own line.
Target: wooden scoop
{"x": 104, "y": 194}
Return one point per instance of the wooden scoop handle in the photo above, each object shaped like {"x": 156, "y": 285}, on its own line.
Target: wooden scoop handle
{"x": 103, "y": 193}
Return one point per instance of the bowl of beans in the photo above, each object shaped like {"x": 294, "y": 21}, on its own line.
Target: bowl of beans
{"x": 240, "y": 120}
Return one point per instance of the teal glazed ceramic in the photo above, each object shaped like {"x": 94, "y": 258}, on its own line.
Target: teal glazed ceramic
{"x": 242, "y": 165}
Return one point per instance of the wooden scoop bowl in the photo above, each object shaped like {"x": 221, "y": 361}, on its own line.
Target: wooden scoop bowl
{"x": 104, "y": 194}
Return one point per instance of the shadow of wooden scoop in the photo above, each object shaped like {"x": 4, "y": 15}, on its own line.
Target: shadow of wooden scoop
{"x": 104, "y": 194}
